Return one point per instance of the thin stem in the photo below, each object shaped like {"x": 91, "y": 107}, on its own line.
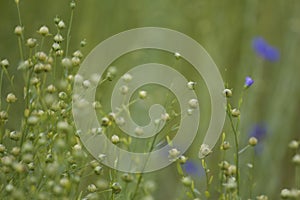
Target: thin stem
{"x": 21, "y": 37}
{"x": 69, "y": 32}
{"x": 297, "y": 177}
{"x": 20, "y": 48}
{"x": 1, "y": 79}
{"x": 236, "y": 146}
{"x": 141, "y": 175}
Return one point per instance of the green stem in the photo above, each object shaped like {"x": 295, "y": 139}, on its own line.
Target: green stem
{"x": 236, "y": 146}
{"x": 141, "y": 175}
{"x": 297, "y": 177}
{"x": 1, "y": 79}
{"x": 69, "y": 32}
{"x": 20, "y": 38}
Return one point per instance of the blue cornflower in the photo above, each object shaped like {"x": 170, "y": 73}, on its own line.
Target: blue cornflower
{"x": 248, "y": 82}
{"x": 264, "y": 50}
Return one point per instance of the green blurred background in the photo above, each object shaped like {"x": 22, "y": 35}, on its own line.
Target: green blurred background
{"x": 225, "y": 28}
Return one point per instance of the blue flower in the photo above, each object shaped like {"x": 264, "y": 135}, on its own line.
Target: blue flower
{"x": 192, "y": 168}
{"x": 258, "y": 131}
{"x": 264, "y": 50}
{"x": 248, "y": 82}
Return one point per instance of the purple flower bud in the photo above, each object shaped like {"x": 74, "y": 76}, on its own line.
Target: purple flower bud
{"x": 248, "y": 82}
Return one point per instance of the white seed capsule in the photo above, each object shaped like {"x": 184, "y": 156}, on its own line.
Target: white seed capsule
{"x": 127, "y": 77}
{"x": 44, "y": 30}
{"x": 58, "y": 38}
{"x": 296, "y": 159}
{"x": 191, "y": 85}
{"x": 86, "y": 84}
{"x": 61, "y": 24}
{"x": 124, "y": 89}
{"x": 4, "y": 63}
{"x": 193, "y": 103}
{"x": 294, "y": 144}
{"x": 115, "y": 139}
{"x": 11, "y": 98}
{"x": 165, "y": 116}
{"x": 19, "y": 30}
{"x": 177, "y": 55}
{"x": 142, "y": 94}
{"x": 227, "y": 93}
{"x": 173, "y": 154}
{"x": 252, "y": 141}
{"x": 235, "y": 112}
{"x": 204, "y": 151}
{"x": 139, "y": 131}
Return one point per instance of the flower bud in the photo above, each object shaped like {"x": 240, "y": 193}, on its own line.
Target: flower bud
{"x": 44, "y": 30}
{"x": 187, "y": 181}
{"x": 11, "y": 98}
{"x": 91, "y": 188}
{"x": 61, "y": 24}
{"x": 294, "y": 144}
{"x": 225, "y": 145}
{"x": 31, "y": 42}
{"x": 296, "y": 159}
{"x": 252, "y": 141}
{"x": 142, "y": 94}
{"x": 235, "y": 112}
{"x": 177, "y": 55}
{"x": 115, "y": 139}
{"x": 204, "y": 151}
{"x": 193, "y": 103}
{"x": 58, "y": 38}
{"x": 116, "y": 188}
{"x": 173, "y": 154}
{"x": 124, "y": 89}
{"x": 227, "y": 93}
{"x": 191, "y": 85}
{"x": 4, "y": 63}
{"x": 182, "y": 159}
{"x": 127, "y": 178}
{"x": 19, "y": 30}
{"x": 127, "y": 77}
